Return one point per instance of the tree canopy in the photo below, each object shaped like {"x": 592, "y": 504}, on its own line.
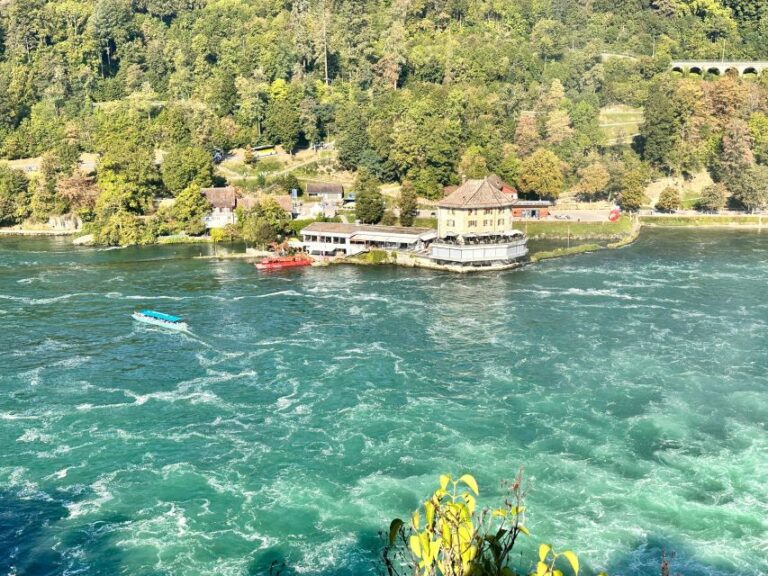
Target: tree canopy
{"x": 428, "y": 93}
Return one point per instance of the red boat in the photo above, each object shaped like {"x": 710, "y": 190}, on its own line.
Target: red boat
{"x": 278, "y": 262}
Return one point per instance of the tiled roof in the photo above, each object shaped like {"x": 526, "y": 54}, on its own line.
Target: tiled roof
{"x": 324, "y": 188}
{"x": 477, "y": 194}
{"x": 221, "y": 197}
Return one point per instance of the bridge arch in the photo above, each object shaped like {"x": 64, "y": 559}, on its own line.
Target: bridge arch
{"x": 695, "y": 70}
{"x": 750, "y": 70}
{"x": 714, "y": 70}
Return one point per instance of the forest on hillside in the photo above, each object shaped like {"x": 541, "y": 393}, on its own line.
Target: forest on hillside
{"x": 423, "y": 92}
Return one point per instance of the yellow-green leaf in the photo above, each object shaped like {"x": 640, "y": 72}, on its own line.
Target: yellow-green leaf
{"x": 557, "y": 573}
{"x": 470, "y": 500}
{"x": 573, "y": 559}
{"x": 500, "y": 512}
{"x": 415, "y": 520}
{"x": 524, "y": 530}
{"x": 541, "y": 569}
{"x": 429, "y": 509}
{"x": 470, "y": 481}
{"x": 415, "y": 545}
{"x": 543, "y": 551}
{"x": 444, "y": 479}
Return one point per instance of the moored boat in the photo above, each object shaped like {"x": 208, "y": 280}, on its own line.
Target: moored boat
{"x": 278, "y": 262}
{"x": 159, "y": 319}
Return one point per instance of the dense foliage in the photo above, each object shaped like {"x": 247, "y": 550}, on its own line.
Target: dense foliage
{"x": 427, "y": 92}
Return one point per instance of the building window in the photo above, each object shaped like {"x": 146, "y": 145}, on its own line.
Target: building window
{"x": 501, "y": 221}
{"x": 487, "y": 222}
{"x": 488, "y": 211}
{"x": 472, "y": 223}
{"x": 450, "y": 222}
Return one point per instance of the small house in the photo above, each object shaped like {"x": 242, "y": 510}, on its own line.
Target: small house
{"x": 223, "y": 202}
{"x": 328, "y": 192}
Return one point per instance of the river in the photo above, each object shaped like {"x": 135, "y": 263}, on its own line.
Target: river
{"x": 308, "y": 408}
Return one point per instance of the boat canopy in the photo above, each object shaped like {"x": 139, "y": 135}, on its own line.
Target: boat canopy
{"x": 161, "y": 316}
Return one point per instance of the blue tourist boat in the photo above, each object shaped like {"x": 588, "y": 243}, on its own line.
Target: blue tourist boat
{"x": 160, "y": 319}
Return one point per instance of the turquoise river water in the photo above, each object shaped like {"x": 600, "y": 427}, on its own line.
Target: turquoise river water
{"x": 308, "y": 408}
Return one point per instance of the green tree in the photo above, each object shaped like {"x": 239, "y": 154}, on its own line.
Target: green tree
{"x": 593, "y": 180}
{"x": 669, "y": 200}
{"x": 408, "y": 204}
{"x": 283, "y": 122}
{"x": 509, "y": 167}
{"x": 369, "y": 204}
{"x": 185, "y": 166}
{"x": 189, "y": 209}
{"x": 14, "y": 195}
{"x": 541, "y": 175}
{"x": 473, "y": 164}
{"x": 265, "y": 223}
{"x": 352, "y": 138}
{"x": 750, "y": 187}
{"x": 120, "y": 228}
{"x": 758, "y": 131}
{"x": 712, "y": 198}
{"x": 633, "y": 183}
{"x": 660, "y": 131}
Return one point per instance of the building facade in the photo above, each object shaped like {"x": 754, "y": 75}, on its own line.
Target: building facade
{"x": 337, "y": 238}
{"x": 475, "y": 227}
{"x": 224, "y": 202}
{"x": 476, "y": 207}
{"x": 327, "y": 191}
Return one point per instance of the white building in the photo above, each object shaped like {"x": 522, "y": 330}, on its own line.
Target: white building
{"x": 224, "y": 202}
{"x": 328, "y": 192}
{"x": 331, "y": 238}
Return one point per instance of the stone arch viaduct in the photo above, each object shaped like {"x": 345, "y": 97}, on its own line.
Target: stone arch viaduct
{"x": 719, "y": 67}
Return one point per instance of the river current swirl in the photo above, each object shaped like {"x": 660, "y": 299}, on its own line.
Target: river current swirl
{"x": 306, "y": 409}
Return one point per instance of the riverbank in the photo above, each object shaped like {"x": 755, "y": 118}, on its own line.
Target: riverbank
{"x": 15, "y": 231}
{"x": 748, "y": 221}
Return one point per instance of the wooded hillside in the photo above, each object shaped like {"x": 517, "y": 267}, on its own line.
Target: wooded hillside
{"x": 427, "y": 91}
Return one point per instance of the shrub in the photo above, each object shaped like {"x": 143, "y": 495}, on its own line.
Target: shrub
{"x": 669, "y": 200}
{"x": 455, "y": 539}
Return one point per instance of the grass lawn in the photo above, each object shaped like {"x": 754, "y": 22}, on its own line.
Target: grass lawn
{"x": 620, "y": 121}
{"x": 562, "y": 229}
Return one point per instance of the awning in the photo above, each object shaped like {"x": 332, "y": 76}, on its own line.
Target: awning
{"x": 380, "y": 238}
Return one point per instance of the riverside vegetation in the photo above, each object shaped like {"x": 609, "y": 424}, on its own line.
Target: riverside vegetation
{"x": 456, "y": 539}
{"x": 414, "y": 92}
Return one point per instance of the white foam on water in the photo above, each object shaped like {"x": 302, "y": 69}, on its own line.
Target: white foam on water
{"x": 33, "y": 435}
{"x": 41, "y": 301}
{"x": 101, "y": 495}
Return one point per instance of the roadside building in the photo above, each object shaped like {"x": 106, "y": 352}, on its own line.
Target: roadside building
{"x": 328, "y": 192}
{"x": 475, "y": 227}
{"x": 536, "y": 209}
{"x": 332, "y": 238}
{"x": 522, "y": 208}
{"x": 223, "y": 201}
